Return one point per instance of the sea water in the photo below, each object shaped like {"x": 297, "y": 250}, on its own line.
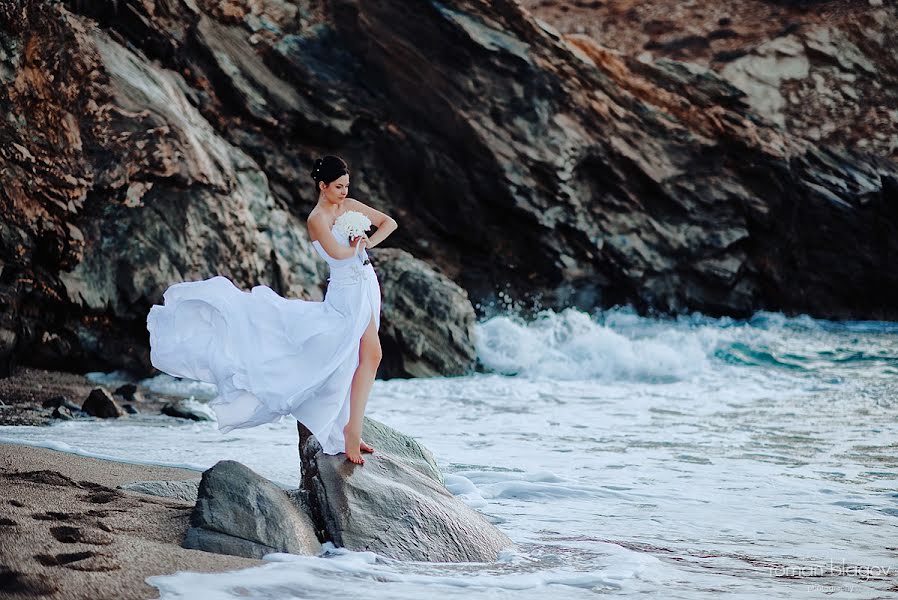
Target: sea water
{"x": 624, "y": 455}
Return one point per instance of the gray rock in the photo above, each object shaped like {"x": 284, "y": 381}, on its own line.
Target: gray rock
{"x": 62, "y": 402}
{"x": 222, "y": 543}
{"x": 100, "y": 403}
{"x": 240, "y": 512}
{"x": 130, "y": 409}
{"x": 387, "y": 507}
{"x": 402, "y": 447}
{"x": 427, "y": 323}
{"x": 179, "y": 490}
{"x": 188, "y": 409}
{"x": 390, "y": 507}
{"x": 63, "y": 413}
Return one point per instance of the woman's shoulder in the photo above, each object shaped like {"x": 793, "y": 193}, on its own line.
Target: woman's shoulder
{"x": 316, "y": 216}
{"x": 316, "y": 222}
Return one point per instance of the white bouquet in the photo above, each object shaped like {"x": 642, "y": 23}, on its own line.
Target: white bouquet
{"x": 352, "y": 224}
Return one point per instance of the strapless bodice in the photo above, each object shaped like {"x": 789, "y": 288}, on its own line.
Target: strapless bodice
{"x": 350, "y": 269}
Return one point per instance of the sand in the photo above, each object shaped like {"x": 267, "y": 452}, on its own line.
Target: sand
{"x": 66, "y": 532}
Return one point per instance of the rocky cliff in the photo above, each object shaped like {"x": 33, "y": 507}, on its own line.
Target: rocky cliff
{"x": 151, "y": 142}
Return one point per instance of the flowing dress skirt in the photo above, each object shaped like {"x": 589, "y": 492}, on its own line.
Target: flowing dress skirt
{"x": 269, "y": 356}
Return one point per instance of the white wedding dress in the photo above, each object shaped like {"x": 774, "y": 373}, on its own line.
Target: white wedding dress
{"x": 270, "y": 356}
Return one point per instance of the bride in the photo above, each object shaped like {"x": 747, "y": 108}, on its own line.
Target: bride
{"x": 271, "y": 356}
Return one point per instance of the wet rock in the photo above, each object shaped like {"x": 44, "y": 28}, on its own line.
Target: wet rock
{"x": 188, "y": 409}
{"x": 100, "y": 403}
{"x": 63, "y": 413}
{"x": 62, "y": 402}
{"x": 389, "y": 507}
{"x": 415, "y": 344}
{"x": 130, "y": 409}
{"x": 404, "y": 448}
{"x": 241, "y": 513}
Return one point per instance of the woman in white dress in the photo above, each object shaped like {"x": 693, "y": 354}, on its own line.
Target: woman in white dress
{"x": 271, "y": 356}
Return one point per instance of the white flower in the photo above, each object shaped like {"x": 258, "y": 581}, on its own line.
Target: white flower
{"x": 352, "y": 224}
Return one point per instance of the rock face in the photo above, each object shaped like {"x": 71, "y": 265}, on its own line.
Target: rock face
{"x": 389, "y": 507}
{"x": 823, "y": 70}
{"x": 149, "y": 146}
{"x": 241, "y": 513}
{"x": 427, "y": 325}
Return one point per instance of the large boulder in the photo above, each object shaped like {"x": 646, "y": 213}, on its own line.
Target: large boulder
{"x": 400, "y": 446}
{"x": 427, "y": 323}
{"x": 384, "y": 438}
{"x": 390, "y": 507}
{"x": 241, "y": 513}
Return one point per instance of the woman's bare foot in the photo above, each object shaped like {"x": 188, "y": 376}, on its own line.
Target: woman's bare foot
{"x": 353, "y": 444}
{"x": 365, "y": 447}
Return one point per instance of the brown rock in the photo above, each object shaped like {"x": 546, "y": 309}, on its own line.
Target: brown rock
{"x": 100, "y": 403}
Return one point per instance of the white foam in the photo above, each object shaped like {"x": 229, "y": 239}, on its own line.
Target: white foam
{"x": 572, "y": 345}
{"x": 368, "y": 575}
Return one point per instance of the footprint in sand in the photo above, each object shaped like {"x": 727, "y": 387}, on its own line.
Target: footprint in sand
{"x": 79, "y": 535}
{"x": 27, "y": 584}
{"x": 79, "y": 561}
{"x": 55, "y": 516}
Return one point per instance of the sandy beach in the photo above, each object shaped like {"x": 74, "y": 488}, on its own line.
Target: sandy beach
{"x": 66, "y": 532}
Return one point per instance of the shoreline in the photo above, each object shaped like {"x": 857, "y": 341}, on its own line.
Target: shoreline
{"x": 27, "y": 394}
{"x": 66, "y": 532}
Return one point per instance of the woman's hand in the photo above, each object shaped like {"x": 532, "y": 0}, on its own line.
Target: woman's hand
{"x": 362, "y": 241}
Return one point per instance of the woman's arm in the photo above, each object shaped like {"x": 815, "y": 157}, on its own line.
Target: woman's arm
{"x": 318, "y": 229}
{"x": 384, "y": 223}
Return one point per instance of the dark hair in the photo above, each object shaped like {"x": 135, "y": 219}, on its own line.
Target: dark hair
{"x": 329, "y": 168}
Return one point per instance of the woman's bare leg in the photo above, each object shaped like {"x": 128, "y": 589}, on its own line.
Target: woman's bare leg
{"x": 362, "y": 380}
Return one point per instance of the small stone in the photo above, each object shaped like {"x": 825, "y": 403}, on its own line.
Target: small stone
{"x": 63, "y": 413}
{"x": 188, "y": 409}
{"x": 100, "y": 403}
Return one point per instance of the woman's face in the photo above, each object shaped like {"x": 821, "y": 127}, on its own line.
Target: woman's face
{"x": 336, "y": 191}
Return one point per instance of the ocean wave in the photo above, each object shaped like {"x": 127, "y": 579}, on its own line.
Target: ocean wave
{"x": 619, "y": 344}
